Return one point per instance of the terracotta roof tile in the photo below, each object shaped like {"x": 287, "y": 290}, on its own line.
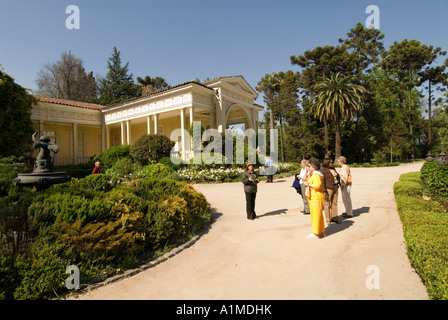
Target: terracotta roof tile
{"x": 157, "y": 92}
{"x": 71, "y": 103}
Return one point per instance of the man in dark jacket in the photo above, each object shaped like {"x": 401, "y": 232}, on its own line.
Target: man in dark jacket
{"x": 250, "y": 181}
{"x": 330, "y": 188}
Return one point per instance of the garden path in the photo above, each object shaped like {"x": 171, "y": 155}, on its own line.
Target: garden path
{"x": 271, "y": 258}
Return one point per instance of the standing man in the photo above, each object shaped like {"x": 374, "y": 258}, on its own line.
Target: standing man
{"x": 250, "y": 181}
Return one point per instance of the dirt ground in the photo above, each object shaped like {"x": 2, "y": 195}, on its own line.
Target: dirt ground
{"x": 364, "y": 257}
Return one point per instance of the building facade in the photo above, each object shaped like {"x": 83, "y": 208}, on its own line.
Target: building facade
{"x": 84, "y": 129}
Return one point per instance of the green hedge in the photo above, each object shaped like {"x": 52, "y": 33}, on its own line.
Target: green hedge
{"x": 100, "y": 227}
{"x": 435, "y": 179}
{"x": 425, "y": 228}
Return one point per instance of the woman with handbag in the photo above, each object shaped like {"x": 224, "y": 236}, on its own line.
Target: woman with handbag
{"x": 346, "y": 186}
{"x": 316, "y": 198}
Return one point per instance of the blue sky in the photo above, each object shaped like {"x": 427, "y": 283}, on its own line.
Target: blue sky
{"x": 182, "y": 40}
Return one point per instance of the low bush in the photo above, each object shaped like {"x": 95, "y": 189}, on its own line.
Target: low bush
{"x": 425, "y": 228}
{"x": 9, "y": 168}
{"x": 99, "y": 227}
{"x": 78, "y": 171}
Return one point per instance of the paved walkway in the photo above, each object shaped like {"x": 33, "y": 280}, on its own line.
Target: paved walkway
{"x": 271, "y": 258}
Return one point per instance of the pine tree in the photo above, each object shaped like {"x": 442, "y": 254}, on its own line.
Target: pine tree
{"x": 407, "y": 59}
{"x": 117, "y": 85}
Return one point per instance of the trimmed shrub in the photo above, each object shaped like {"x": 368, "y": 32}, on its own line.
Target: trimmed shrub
{"x": 435, "y": 179}
{"x": 112, "y": 154}
{"x": 97, "y": 182}
{"x": 408, "y": 187}
{"x": 66, "y": 207}
{"x": 157, "y": 170}
{"x": 425, "y": 228}
{"x": 149, "y": 148}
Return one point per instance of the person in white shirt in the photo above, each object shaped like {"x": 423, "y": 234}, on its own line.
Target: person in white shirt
{"x": 303, "y": 176}
{"x": 346, "y": 187}
{"x": 269, "y": 166}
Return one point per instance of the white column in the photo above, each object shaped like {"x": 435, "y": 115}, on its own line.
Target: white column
{"x": 191, "y": 137}
{"x": 75, "y": 143}
{"x": 182, "y": 127}
{"x": 41, "y": 128}
{"x": 122, "y": 133}
{"x": 191, "y": 115}
{"x": 128, "y": 132}
{"x": 107, "y": 134}
{"x": 103, "y": 137}
{"x": 156, "y": 123}
{"x": 213, "y": 119}
{"x": 148, "y": 124}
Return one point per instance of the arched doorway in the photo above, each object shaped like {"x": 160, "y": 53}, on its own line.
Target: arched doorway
{"x": 238, "y": 116}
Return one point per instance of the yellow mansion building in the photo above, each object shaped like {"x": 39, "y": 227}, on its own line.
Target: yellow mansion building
{"x": 84, "y": 129}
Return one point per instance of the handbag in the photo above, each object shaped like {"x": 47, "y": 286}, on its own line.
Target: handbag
{"x": 349, "y": 178}
{"x": 308, "y": 192}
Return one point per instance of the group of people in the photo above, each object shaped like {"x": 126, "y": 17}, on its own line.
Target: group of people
{"x": 319, "y": 186}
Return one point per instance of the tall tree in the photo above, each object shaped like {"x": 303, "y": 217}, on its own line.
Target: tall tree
{"x": 367, "y": 46}
{"x": 321, "y": 62}
{"x": 433, "y": 76}
{"x": 16, "y": 127}
{"x": 67, "y": 79}
{"x": 337, "y": 99}
{"x": 407, "y": 59}
{"x": 117, "y": 85}
{"x": 269, "y": 85}
{"x": 317, "y": 65}
{"x": 280, "y": 94}
{"x": 392, "y": 132}
{"x": 288, "y": 100}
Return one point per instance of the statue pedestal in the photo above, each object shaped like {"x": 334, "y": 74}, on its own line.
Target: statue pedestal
{"x": 42, "y": 180}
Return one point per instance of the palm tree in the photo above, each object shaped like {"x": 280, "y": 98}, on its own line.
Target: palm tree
{"x": 337, "y": 99}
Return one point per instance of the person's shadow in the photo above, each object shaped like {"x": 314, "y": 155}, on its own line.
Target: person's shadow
{"x": 272, "y": 213}
{"x": 360, "y": 211}
{"x": 345, "y": 223}
{"x": 338, "y": 227}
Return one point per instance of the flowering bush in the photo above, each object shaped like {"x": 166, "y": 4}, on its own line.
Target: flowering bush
{"x": 223, "y": 173}
{"x": 210, "y": 175}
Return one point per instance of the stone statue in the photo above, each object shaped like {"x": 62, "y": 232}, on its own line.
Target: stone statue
{"x": 44, "y": 161}
{"x": 42, "y": 176}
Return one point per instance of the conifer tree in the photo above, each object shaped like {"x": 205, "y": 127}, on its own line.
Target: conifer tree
{"x": 117, "y": 85}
